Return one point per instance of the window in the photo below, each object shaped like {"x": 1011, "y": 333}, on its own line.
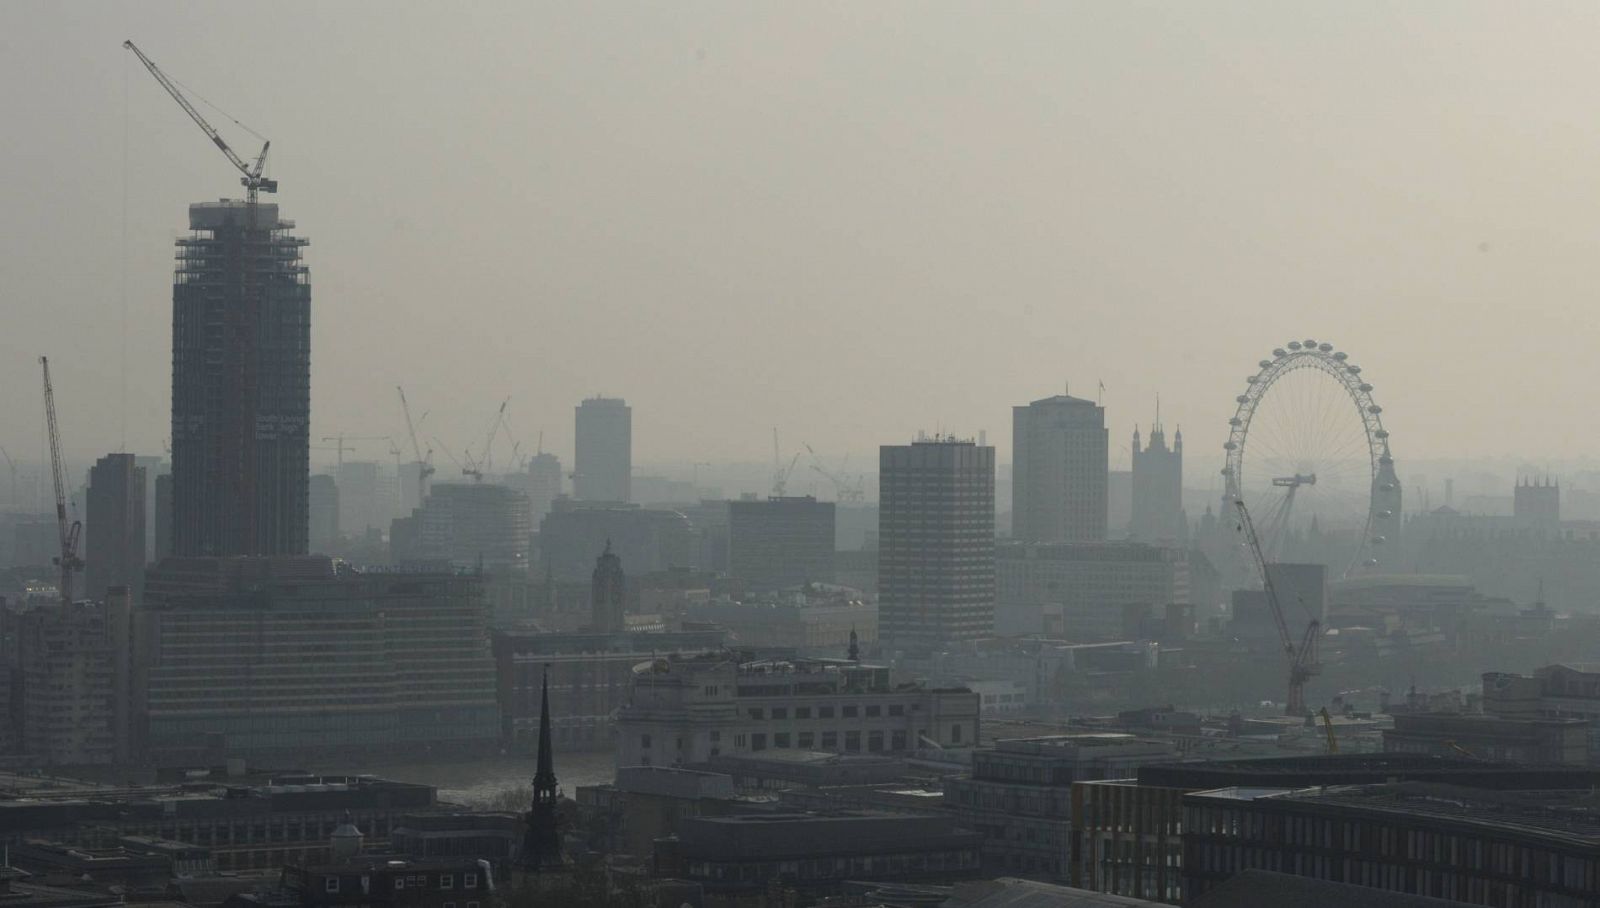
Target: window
{"x": 852, "y": 741}
{"x": 680, "y": 742}
{"x": 955, "y": 733}
{"x": 781, "y": 739}
{"x": 896, "y": 709}
{"x": 802, "y": 712}
{"x": 644, "y": 741}
{"x": 399, "y": 882}
{"x": 710, "y": 690}
{"x": 850, "y": 712}
{"x": 330, "y": 884}
{"x": 716, "y": 736}
{"x": 874, "y": 710}
{"x": 898, "y": 741}
{"x": 808, "y": 740}
{"x": 472, "y": 905}
{"x": 447, "y": 880}
{"x": 875, "y": 741}
{"x": 830, "y": 740}
{"x": 825, "y": 712}
{"x": 469, "y": 881}
{"x": 758, "y": 742}
{"x": 738, "y": 741}
{"x": 755, "y": 712}
{"x": 780, "y": 712}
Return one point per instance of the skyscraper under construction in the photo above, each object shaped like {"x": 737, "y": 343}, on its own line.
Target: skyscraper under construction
{"x": 241, "y": 384}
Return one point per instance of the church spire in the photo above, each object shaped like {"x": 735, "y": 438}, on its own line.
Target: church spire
{"x": 541, "y": 841}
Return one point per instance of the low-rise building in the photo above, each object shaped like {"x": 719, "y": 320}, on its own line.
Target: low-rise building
{"x": 1516, "y": 740}
{"x": 1097, "y": 586}
{"x": 1469, "y": 845}
{"x": 246, "y": 825}
{"x": 685, "y": 710}
{"x": 1020, "y": 795}
{"x": 283, "y": 659}
{"x": 645, "y": 803}
{"x": 816, "y": 853}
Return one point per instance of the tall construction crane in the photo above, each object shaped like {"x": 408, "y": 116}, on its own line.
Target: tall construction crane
{"x": 252, "y": 180}
{"x": 424, "y": 461}
{"x": 340, "y": 446}
{"x": 68, "y": 560}
{"x": 1302, "y": 656}
{"x": 843, "y": 489}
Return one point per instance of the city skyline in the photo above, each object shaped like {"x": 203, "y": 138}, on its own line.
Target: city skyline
{"x": 1064, "y": 267}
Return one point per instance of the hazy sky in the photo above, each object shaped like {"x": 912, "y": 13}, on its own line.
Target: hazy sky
{"x": 848, "y": 220}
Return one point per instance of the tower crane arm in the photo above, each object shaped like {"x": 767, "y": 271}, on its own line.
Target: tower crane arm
{"x": 252, "y": 172}
{"x": 68, "y": 531}
{"x": 1259, "y": 560}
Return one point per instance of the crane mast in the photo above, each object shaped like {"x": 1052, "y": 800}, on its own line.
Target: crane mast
{"x": 424, "y": 468}
{"x": 68, "y": 532}
{"x": 252, "y": 180}
{"x": 1302, "y": 656}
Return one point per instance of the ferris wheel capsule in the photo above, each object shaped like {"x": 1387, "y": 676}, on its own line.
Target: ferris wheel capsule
{"x": 1365, "y": 387}
{"x": 1230, "y": 446}
{"x": 1242, "y": 399}
{"x": 1353, "y": 370}
{"x": 1381, "y": 433}
{"x": 1235, "y": 422}
{"x": 1341, "y": 356}
{"x": 1294, "y": 345}
{"x": 1374, "y": 409}
{"x": 1309, "y": 344}
{"x": 1279, "y": 352}
{"x": 1265, "y": 363}
{"x": 1325, "y": 347}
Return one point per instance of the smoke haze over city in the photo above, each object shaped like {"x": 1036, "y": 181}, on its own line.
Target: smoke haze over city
{"x": 850, "y": 221}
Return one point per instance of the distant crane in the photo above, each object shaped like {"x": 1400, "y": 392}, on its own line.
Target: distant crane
{"x": 340, "y": 439}
{"x": 424, "y": 461}
{"x": 1302, "y": 657}
{"x": 843, "y": 488}
{"x": 476, "y": 468}
{"x": 68, "y": 560}
{"x": 781, "y": 473}
{"x": 252, "y": 180}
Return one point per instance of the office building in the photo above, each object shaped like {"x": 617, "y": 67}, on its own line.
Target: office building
{"x": 543, "y": 484}
{"x": 359, "y": 507}
{"x": 241, "y": 383}
{"x": 1059, "y": 463}
{"x": 154, "y": 468}
{"x": 687, "y": 709}
{"x": 467, "y": 525}
{"x": 73, "y": 680}
{"x": 1468, "y": 845}
{"x": 162, "y": 546}
{"x": 1020, "y": 795}
{"x": 1157, "y": 514}
{"x": 324, "y": 511}
{"x": 279, "y": 659}
{"x": 818, "y": 621}
{"x": 114, "y": 550}
{"x": 781, "y": 542}
{"x": 936, "y": 546}
{"x": 1096, "y": 588}
{"x": 602, "y": 460}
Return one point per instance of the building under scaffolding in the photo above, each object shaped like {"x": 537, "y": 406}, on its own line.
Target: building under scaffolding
{"x": 241, "y": 383}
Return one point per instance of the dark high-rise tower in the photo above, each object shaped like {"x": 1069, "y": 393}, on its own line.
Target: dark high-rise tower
{"x": 603, "y": 452}
{"x": 606, "y": 594}
{"x": 541, "y": 841}
{"x": 241, "y": 384}
{"x": 115, "y": 555}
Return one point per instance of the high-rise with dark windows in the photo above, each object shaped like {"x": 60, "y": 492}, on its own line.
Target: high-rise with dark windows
{"x": 241, "y": 384}
{"x": 603, "y": 452}
{"x": 935, "y": 542}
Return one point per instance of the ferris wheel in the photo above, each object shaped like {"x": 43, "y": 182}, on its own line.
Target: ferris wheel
{"x": 1308, "y": 454}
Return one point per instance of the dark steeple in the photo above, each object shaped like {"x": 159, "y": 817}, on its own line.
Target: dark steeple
{"x": 855, "y": 646}
{"x": 541, "y": 841}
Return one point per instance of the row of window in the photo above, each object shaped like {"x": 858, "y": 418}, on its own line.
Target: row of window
{"x": 872, "y": 711}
